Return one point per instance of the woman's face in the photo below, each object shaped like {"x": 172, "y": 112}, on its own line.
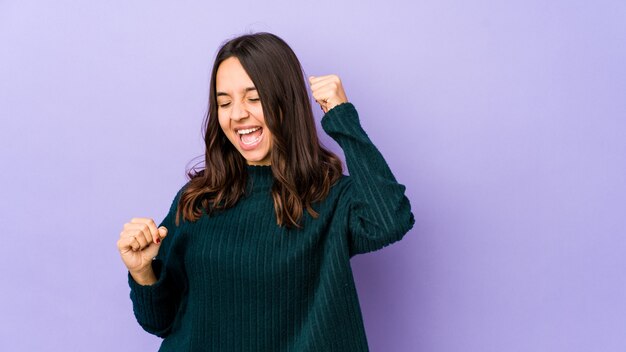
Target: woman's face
{"x": 240, "y": 113}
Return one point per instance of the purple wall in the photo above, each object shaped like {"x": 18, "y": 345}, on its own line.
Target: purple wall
{"x": 506, "y": 121}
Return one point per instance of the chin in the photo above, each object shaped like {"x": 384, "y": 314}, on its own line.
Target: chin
{"x": 258, "y": 161}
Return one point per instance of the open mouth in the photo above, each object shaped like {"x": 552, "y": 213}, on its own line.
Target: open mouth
{"x": 250, "y": 138}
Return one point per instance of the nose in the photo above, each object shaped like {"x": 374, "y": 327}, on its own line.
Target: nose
{"x": 238, "y": 111}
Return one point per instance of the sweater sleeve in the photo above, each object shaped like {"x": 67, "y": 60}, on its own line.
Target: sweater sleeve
{"x": 155, "y": 305}
{"x": 379, "y": 211}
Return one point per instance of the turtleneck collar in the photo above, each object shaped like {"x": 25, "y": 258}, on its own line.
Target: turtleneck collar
{"x": 260, "y": 176}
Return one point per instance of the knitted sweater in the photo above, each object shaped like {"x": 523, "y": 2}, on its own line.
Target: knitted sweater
{"x": 236, "y": 281}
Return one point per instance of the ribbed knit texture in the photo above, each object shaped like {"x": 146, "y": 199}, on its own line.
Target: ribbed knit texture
{"x": 235, "y": 281}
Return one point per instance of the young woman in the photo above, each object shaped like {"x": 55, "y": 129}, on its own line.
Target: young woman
{"x": 254, "y": 254}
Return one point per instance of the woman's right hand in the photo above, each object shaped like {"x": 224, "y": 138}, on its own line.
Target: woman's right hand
{"x": 139, "y": 243}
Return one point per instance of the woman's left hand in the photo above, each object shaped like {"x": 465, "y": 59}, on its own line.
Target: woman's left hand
{"x": 327, "y": 91}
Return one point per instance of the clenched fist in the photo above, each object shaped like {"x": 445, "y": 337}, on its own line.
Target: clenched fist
{"x": 327, "y": 91}
{"x": 139, "y": 243}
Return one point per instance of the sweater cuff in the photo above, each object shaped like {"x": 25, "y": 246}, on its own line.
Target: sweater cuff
{"x": 342, "y": 124}
{"x": 147, "y": 293}
{"x": 331, "y": 121}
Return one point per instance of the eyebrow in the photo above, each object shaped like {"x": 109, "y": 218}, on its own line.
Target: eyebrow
{"x": 249, "y": 89}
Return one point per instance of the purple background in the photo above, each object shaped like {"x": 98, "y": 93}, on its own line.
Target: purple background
{"x": 506, "y": 121}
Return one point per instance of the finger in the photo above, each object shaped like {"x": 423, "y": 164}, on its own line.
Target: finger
{"x": 129, "y": 230}
{"x": 323, "y": 105}
{"x": 126, "y": 244}
{"x": 324, "y": 95}
{"x": 319, "y": 95}
{"x": 140, "y": 232}
{"x": 325, "y": 80}
{"x": 154, "y": 233}
{"x": 319, "y": 85}
{"x": 123, "y": 244}
{"x": 162, "y": 233}
{"x": 135, "y": 245}
{"x": 142, "y": 239}
{"x": 144, "y": 230}
{"x": 315, "y": 79}
{"x": 330, "y": 93}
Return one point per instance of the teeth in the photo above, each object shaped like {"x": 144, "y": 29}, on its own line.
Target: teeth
{"x": 252, "y": 142}
{"x": 249, "y": 130}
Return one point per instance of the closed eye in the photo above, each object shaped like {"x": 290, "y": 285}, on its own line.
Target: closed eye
{"x": 223, "y": 105}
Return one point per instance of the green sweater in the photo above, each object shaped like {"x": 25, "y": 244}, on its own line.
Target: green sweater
{"x": 236, "y": 281}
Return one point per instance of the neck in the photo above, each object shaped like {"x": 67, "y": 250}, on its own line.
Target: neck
{"x": 260, "y": 176}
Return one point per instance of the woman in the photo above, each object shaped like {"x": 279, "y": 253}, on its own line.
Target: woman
{"x": 254, "y": 254}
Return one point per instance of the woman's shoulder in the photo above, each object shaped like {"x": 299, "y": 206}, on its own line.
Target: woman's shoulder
{"x": 181, "y": 190}
{"x": 176, "y": 199}
{"x": 341, "y": 186}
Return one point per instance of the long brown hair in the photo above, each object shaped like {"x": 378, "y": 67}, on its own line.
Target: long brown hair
{"x": 303, "y": 169}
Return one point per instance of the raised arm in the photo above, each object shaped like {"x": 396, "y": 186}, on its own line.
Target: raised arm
{"x": 380, "y": 213}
